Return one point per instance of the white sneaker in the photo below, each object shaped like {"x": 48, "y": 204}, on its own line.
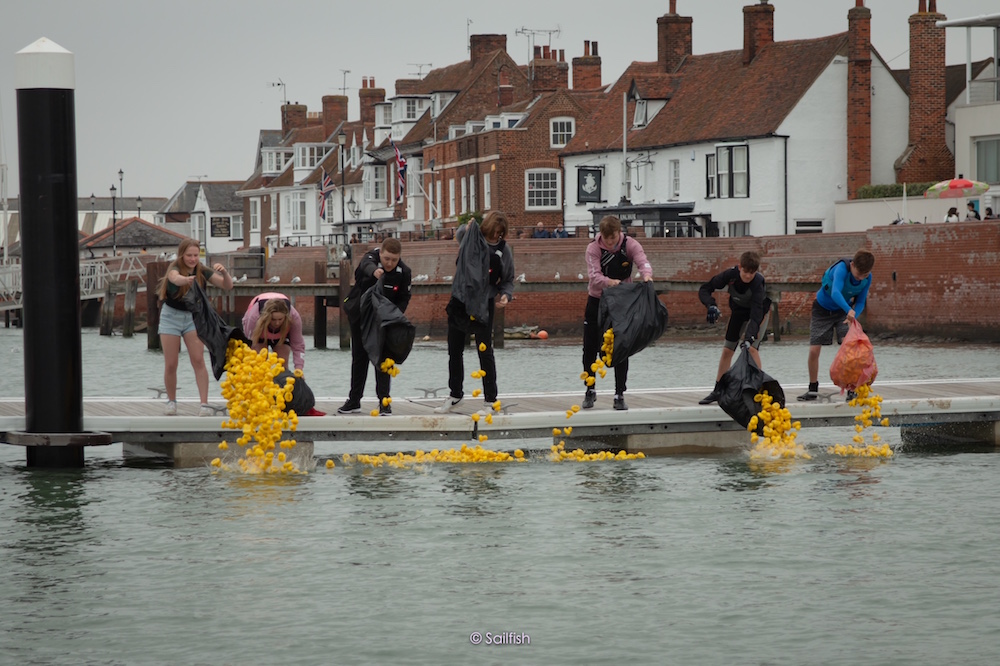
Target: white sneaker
{"x": 449, "y": 404}
{"x": 206, "y": 411}
{"x": 171, "y": 409}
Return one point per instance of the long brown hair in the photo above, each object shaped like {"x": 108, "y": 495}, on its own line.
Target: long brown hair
{"x": 264, "y": 321}
{"x": 178, "y": 265}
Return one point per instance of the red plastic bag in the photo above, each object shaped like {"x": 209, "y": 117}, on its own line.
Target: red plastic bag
{"x": 854, "y": 365}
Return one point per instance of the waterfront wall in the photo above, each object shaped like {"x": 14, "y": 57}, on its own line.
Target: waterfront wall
{"x": 930, "y": 280}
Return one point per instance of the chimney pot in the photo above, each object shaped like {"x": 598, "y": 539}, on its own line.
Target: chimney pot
{"x": 586, "y": 47}
{"x": 922, "y": 6}
{"x": 933, "y": 7}
{"x": 545, "y": 52}
{"x": 562, "y": 55}
{"x": 673, "y": 6}
{"x": 593, "y": 48}
{"x": 538, "y": 52}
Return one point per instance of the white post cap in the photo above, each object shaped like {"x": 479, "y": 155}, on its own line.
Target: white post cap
{"x": 44, "y": 64}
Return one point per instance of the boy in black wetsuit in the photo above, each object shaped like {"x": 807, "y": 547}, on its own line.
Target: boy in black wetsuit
{"x": 749, "y": 307}
{"x": 382, "y": 262}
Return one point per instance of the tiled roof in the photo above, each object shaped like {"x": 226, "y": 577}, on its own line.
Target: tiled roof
{"x": 132, "y": 232}
{"x": 954, "y": 78}
{"x": 220, "y": 194}
{"x": 712, "y": 97}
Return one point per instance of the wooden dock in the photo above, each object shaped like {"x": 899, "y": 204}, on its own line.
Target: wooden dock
{"x": 660, "y": 421}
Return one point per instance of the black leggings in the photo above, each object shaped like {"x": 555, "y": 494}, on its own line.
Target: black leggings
{"x": 456, "y": 365}
{"x": 593, "y": 338}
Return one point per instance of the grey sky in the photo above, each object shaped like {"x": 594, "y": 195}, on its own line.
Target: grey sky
{"x": 171, "y": 89}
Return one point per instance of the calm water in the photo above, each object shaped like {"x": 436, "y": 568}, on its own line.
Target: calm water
{"x": 680, "y": 560}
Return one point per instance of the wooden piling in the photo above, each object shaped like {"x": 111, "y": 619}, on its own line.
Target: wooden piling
{"x": 108, "y": 310}
{"x": 319, "y": 309}
{"x": 155, "y": 270}
{"x": 346, "y": 271}
{"x": 128, "y": 325}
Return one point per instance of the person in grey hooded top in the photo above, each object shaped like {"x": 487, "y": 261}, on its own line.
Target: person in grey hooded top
{"x": 484, "y": 280}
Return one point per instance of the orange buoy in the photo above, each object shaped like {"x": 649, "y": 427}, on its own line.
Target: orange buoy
{"x": 543, "y": 335}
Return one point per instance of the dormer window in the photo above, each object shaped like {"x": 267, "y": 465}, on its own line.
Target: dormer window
{"x": 274, "y": 161}
{"x": 641, "y": 117}
{"x": 309, "y": 155}
{"x": 562, "y": 130}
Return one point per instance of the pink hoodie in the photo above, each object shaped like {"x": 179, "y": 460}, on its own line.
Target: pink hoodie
{"x": 634, "y": 252}
{"x": 295, "y": 339}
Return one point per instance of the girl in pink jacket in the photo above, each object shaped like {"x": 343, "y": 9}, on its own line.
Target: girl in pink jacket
{"x": 272, "y": 321}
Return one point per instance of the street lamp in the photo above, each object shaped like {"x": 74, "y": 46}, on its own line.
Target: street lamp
{"x": 138, "y": 207}
{"x": 114, "y": 224}
{"x": 342, "y": 139}
{"x": 121, "y": 189}
{"x": 93, "y": 200}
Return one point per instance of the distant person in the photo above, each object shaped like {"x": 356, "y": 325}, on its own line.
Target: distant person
{"x": 271, "y": 321}
{"x": 482, "y": 253}
{"x": 749, "y": 307}
{"x": 381, "y": 262}
{"x": 970, "y": 212}
{"x": 840, "y": 299}
{"x": 952, "y": 215}
{"x": 560, "y": 232}
{"x": 540, "y": 231}
{"x": 176, "y": 321}
{"x": 612, "y": 258}
{"x": 989, "y": 214}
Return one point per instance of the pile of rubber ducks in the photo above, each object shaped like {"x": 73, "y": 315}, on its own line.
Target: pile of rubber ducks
{"x": 257, "y": 409}
{"x": 389, "y": 367}
{"x": 464, "y": 454}
{"x": 778, "y": 431}
{"x": 871, "y": 414}
{"x": 560, "y": 454}
{"x": 608, "y": 346}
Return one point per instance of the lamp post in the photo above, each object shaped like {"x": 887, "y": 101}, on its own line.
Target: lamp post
{"x": 121, "y": 188}
{"x": 114, "y": 224}
{"x": 342, "y": 139}
{"x": 138, "y": 207}
{"x": 93, "y": 200}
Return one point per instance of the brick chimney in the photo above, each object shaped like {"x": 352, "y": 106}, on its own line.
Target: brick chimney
{"x": 758, "y": 29}
{"x": 673, "y": 39}
{"x": 547, "y": 73}
{"x": 482, "y": 46}
{"x": 587, "y": 68}
{"x": 334, "y": 113}
{"x": 927, "y": 157}
{"x": 293, "y": 116}
{"x": 369, "y": 96}
{"x": 859, "y": 98}
{"x": 505, "y": 91}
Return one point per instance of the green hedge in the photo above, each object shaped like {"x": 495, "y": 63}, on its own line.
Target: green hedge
{"x": 891, "y": 190}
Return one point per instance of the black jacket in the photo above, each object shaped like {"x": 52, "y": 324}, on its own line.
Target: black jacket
{"x": 396, "y": 283}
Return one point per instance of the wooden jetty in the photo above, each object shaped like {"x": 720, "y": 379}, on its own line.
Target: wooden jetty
{"x": 658, "y": 421}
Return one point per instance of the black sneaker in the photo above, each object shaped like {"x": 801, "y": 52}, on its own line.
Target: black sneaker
{"x": 349, "y": 408}
{"x": 589, "y": 398}
{"x": 711, "y": 397}
{"x": 620, "y": 403}
{"x": 384, "y": 410}
{"x": 809, "y": 395}
{"x": 851, "y": 395}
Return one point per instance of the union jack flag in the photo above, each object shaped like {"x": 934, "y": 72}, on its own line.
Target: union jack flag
{"x": 326, "y": 187}
{"x": 400, "y": 172}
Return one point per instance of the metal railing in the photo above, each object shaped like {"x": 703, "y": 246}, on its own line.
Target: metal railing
{"x": 95, "y": 276}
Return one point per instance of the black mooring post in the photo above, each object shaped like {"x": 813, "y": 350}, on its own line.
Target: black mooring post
{"x": 50, "y": 263}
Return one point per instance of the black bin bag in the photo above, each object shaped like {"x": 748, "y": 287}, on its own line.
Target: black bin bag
{"x": 212, "y": 329}
{"x": 302, "y": 396}
{"x": 470, "y": 287}
{"x": 385, "y": 330}
{"x": 636, "y": 315}
{"x": 740, "y": 384}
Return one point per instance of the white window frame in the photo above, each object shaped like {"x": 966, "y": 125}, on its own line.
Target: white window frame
{"x": 711, "y": 177}
{"x": 487, "y": 192}
{"x": 739, "y": 228}
{"x": 733, "y": 171}
{"x": 561, "y": 130}
{"x": 198, "y": 227}
{"x": 274, "y": 161}
{"x": 640, "y": 118}
{"x": 675, "y": 179}
{"x": 375, "y": 183}
{"x": 451, "y": 197}
{"x": 274, "y": 213}
{"x": 440, "y": 211}
{"x": 309, "y": 155}
{"x": 411, "y": 109}
{"x": 254, "y": 215}
{"x": 236, "y": 227}
{"x": 988, "y": 160}
{"x": 472, "y": 193}
{"x": 465, "y": 194}
{"x": 297, "y": 212}
{"x": 542, "y": 189}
